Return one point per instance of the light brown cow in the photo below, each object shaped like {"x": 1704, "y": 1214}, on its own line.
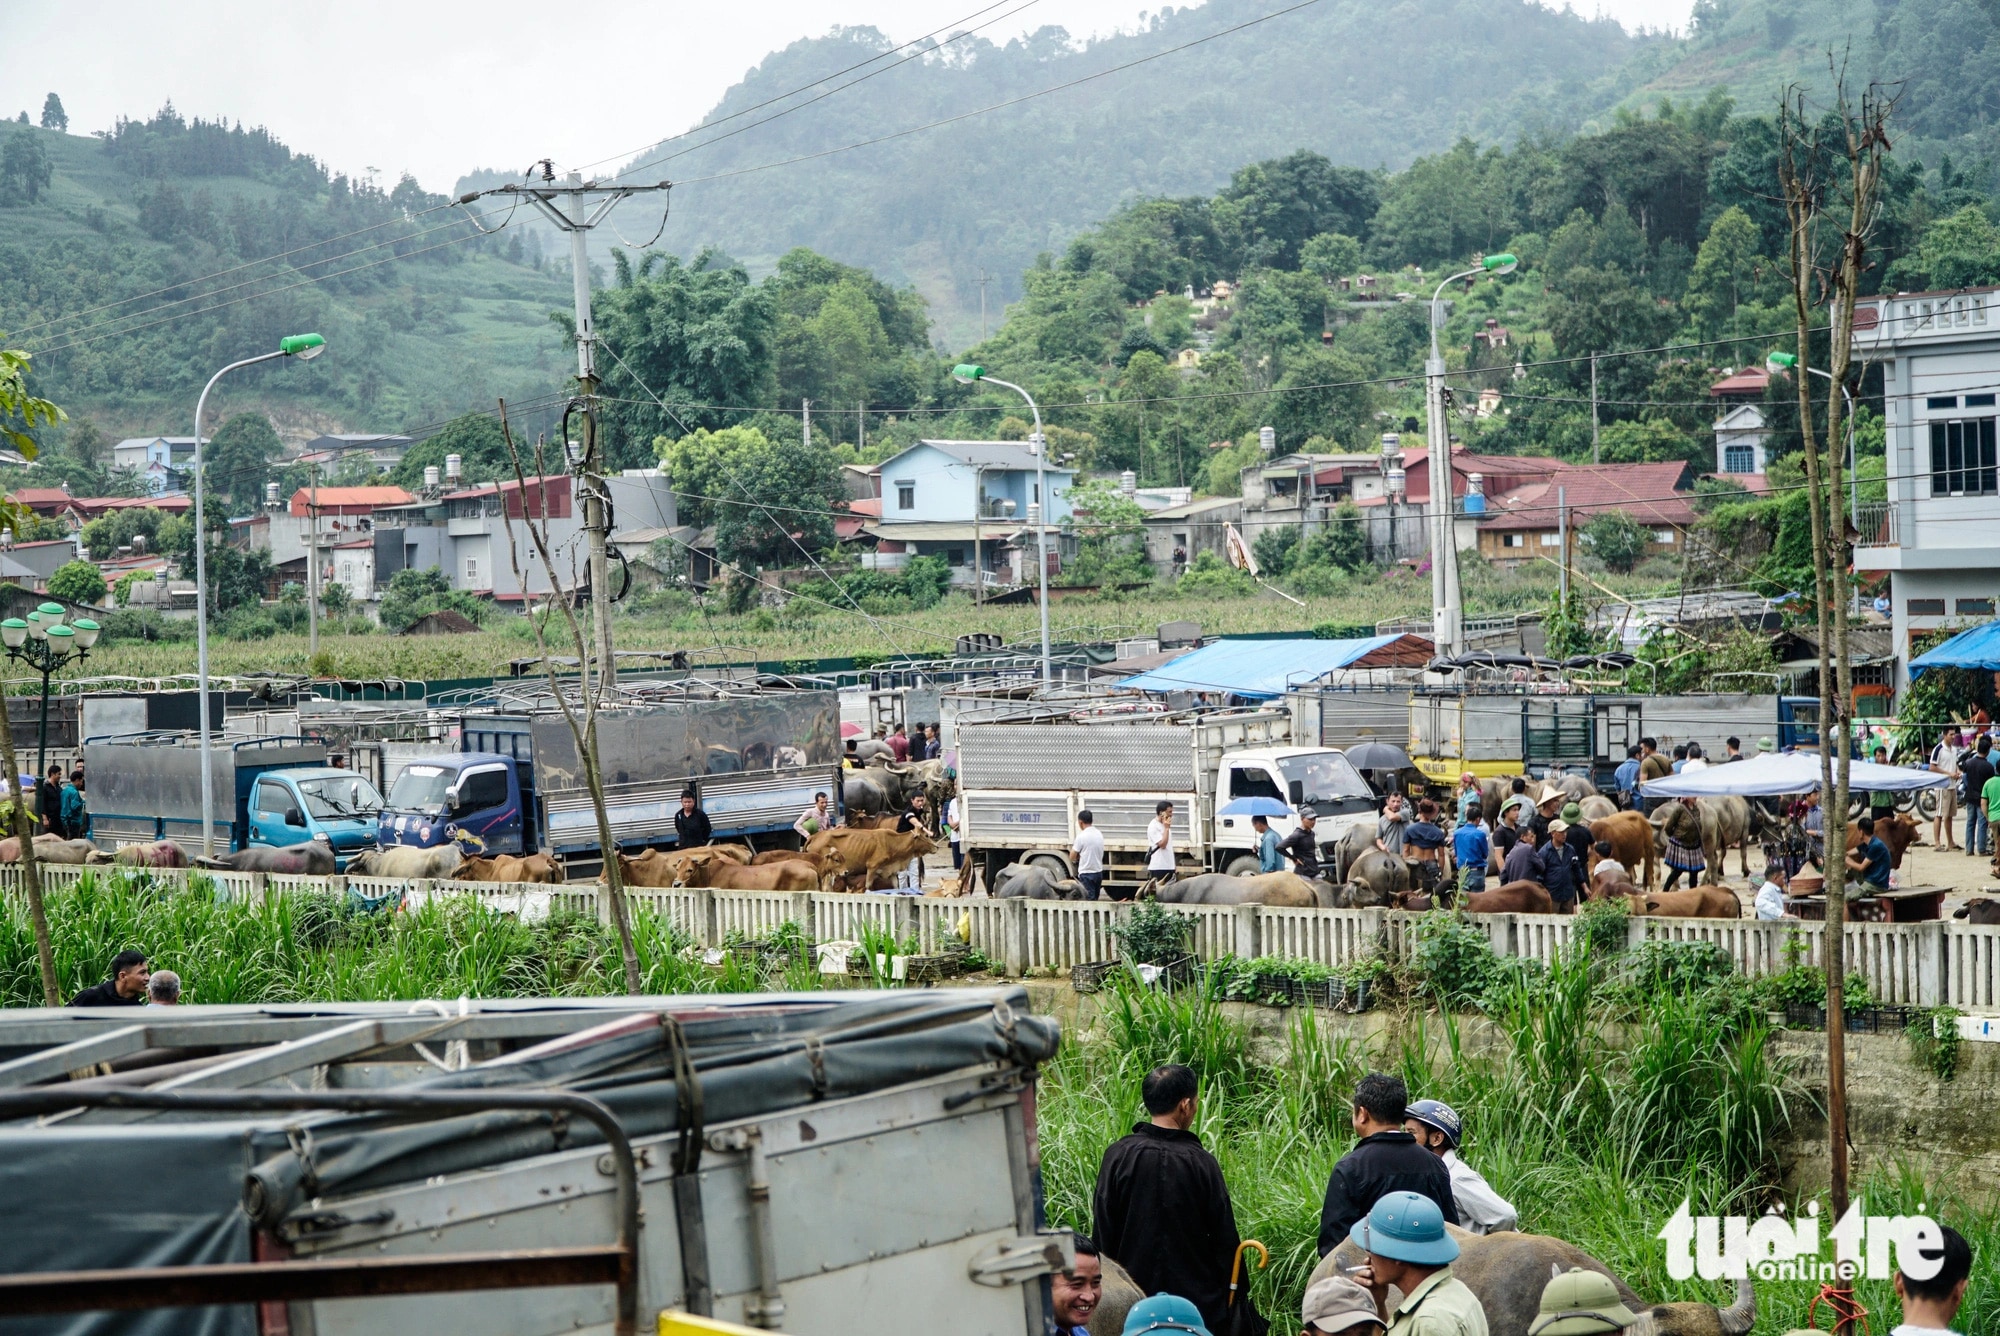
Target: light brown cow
{"x": 728, "y": 875}
{"x": 857, "y": 857}
{"x": 1701, "y": 902}
{"x": 660, "y": 867}
{"x": 770, "y": 856}
{"x": 540, "y": 868}
{"x": 1630, "y": 836}
{"x": 1516, "y": 897}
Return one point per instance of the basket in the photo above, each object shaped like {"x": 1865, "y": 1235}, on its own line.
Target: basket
{"x": 1284, "y": 990}
{"x": 1352, "y": 997}
{"x": 1860, "y": 1020}
{"x": 1091, "y": 977}
{"x": 929, "y": 969}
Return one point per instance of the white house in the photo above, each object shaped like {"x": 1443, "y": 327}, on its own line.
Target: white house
{"x": 152, "y": 458}
{"x": 968, "y": 501}
{"x": 1938, "y": 535}
{"x": 1740, "y": 429}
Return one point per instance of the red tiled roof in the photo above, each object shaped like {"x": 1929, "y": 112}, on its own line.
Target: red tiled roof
{"x": 1649, "y": 493}
{"x": 866, "y": 505}
{"x": 90, "y": 507}
{"x": 348, "y": 500}
{"x": 32, "y": 497}
{"x": 1416, "y": 469}
{"x": 1750, "y": 380}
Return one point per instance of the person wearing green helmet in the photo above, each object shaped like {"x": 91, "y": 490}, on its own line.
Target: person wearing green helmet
{"x": 1581, "y": 1303}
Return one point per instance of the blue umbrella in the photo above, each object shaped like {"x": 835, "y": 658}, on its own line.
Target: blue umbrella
{"x": 1254, "y": 807}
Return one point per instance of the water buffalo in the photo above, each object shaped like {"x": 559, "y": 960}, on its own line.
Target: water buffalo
{"x": 402, "y": 860}
{"x": 48, "y": 849}
{"x": 1630, "y": 836}
{"x": 1574, "y": 787}
{"x": 1596, "y": 807}
{"x": 1984, "y": 912}
{"x": 159, "y": 853}
{"x": 1280, "y": 889}
{"x": 1385, "y": 875}
{"x": 872, "y": 792}
{"x": 1508, "y": 1271}
{"x": 873, "y": 749}
{"x": 313, "y": 858}
{"x": 1516, "y": 897}
{"x": 1033, "y": 881}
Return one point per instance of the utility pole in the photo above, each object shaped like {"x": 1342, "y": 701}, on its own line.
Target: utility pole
{"x": 576, "y": 206}
{"x": 860, "y": 427}
{"x": 1593, "y": 410}
{"x": 984, "y": 279}
{"x": 806, "y": 423}
{"x": 1562, "y": 542}
{"x": 312, "y": 558}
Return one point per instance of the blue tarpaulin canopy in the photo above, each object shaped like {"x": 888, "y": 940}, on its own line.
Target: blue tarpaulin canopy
{"x": 1976, "y": 648}
{"x": 1262, "y": 669}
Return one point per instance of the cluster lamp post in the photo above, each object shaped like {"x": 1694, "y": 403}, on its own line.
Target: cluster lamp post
{"x": 47, "y": 644}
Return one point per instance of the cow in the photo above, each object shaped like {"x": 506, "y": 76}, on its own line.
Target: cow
{"x": 1700, "y": 902}
{"x": 158, "y": 853}
{"x": 1119, "y": 1294}
{"x": 1574, "y": 787}
{"x": 1609, "y": 880}
{"x": 1981, "y": 912}
{"x": 1361, "y": 895}
{"x": 403, "y": 860}
{"x": 1033, "y": 881}
{"x": 1516, "y": 897}
{"x": 311, "y": 858}
{"x": 1279, "y": 889}
{"x": 1596, "y": 807}
{"x": 783, "y": 856}
{"x": 1386, "y": 875}
{"x": 1509, "y": 1270}
{"x": 737, "y": 852}
{"x": 726, "y": 874}
{"x": 48, "y": 849}
{"x": 1725, "y": 825}
{"x": 1630, "y": 836}
{"x": 1899, "y": 832}
{"x": 539, "y": 868}
{"x": 860, "y": 856}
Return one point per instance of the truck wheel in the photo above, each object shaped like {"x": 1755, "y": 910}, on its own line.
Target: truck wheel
{"x": 1055, "y": 863}
{"x": 1242, "y": 866}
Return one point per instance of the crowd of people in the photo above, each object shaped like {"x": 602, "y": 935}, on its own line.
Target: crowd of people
{"x": 1162, "y": 1212}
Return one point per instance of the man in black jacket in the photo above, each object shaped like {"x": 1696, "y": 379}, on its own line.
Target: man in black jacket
{"x": 125, "y": 988}
{"x": 1386, "y": 1159}
{"x": 1161, "y": 1207}
{"x": 691, "y": 826}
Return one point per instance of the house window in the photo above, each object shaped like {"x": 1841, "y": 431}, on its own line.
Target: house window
{"x": 1975, "y": 607}
{"x": 1739, "y": 459}
{"x": 1979, "y": 401}
{"x": 906, "y": 494}
{"x": 472, "y": 571}
{"x": 1946, "y": 401}
{"x": 1963, "y": 458}
{"x": 1550, "y": 539}
{"x": 1664, "y": 537}
{"x": 1512, "y": 540}
{"x": 1036, "y": 488}
{"x": 954, "y": 556}
{"x": 1924, "y": 607}
{"x": 347, "y": 573}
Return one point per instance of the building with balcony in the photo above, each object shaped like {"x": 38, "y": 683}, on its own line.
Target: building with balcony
{"x": 1740, "y": 428}
{"x": 968, "y": 502}
{"x": 1938, "y": 534}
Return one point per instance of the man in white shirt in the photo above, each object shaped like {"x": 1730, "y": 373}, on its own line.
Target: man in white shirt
{"x": 1771, "y": 895}
{"x": 954, "y": 827}
{"x": 1930, "y": 1306}
{"x": 1089, "y": 852}
{"x": 814, "y": 819}
{"x": 1160, "y": 842}
{"x": 1480, "y": 1209}
{"x": 1696, "y": 760}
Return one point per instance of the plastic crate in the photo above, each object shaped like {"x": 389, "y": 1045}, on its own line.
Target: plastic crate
{"x": 1860, "y": 1020}
{"x": 1092, "y": 976}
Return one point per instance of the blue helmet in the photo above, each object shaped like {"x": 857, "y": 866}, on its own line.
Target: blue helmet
{"x": 1405, "y": 1227}
{"x": 1164, "y": 1312}
{"x": 1439, "y": 1115}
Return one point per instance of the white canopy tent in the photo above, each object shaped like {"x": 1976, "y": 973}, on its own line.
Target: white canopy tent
{"x": 1787, "y": 772}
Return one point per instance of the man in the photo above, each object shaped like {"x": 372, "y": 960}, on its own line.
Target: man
{"x": 1697, "y": 759}
{"x": 1813, "y": 823}
{"x": 1626, "y": 778}
{"x": 1437, "y": 1128}
{"x": 1392, "y": 827}
{"x": 1606, "y": 865}
{"x": 1302, "y": 845}
{"x": 125, "y": 988}
{"x": 1386, "y": 1159}
{"x": 1337, "y": 1306}
{"x": 1163, "y": 1313}
{"x": 1930, "y": 1306}
{"x": 1562, "y": 868}
{"x": 691, "y": 825}
{"x": 1652, "y": 766}
{"x": 1547, "y": 805}
{"x": 1944, "y": 761}
{"x": 1770, "y": 901}
{"x": 1881, "y": 802}
{"x": 1075, "y": 1294}
{"x": 164, "y": 989}
{"x": 1268, "y": 858}
{"x": 1161, "y": 1207}
{"x": 1977, "y": 769}
{"x": 1468, "y": 793}
{"x": 1681, "y": 828}
{"x": 1732, "y": 750}
{"x": 72, "y": 815}
{"x": 899, "y": 743}
{"x": 1470, "y": 849}
{"x": 852, "y": 759}
{"x": 1407, "y": 1248}
{"x": 1581, "y": 1303}
{"x": 1766, "y": 747}
{"x": 933, "y": 744}
{"x": 1423, "y": 846}
{"x": 48, "y": 802}
{"x": 1507, "y": 831}
{"x": 1160, "y": 846}
{"x": 1869, "y": 861}
{"x": 1524, "y": 860}
{"x": 954, "y": 829}
{"x": 1088, "y": 850}
{"x": 917, "y": 816}
{"x": 813, "y": 820}
{"x": 1680, "y": 758}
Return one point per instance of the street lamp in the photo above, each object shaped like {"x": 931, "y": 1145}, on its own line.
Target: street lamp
{"x": 966, "y": 373}
{"x": 305, "y": 347}
{"x": 46, "y": 644}
{"x": 1783, "y": 364}
{"x": 1444, "y": 554}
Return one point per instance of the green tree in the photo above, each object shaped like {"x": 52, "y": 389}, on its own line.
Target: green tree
{"x": 1330, "y": 255}
{"x": 25, "y": 168}
{"x": 1322, "y": 395}
{"x": 1110, "y": 528}
{"x": 413, "y": 593}
{"x": 86, "y": 444}
{"x": 1957, "y": 251}
{"x": 1275, "y": 549}
{"x": 103, "y": 536}
{"x": 1209, "y": 576}
{"x": 477, "y": 440}
{"x": 237, "y": 461}
{"x": 336, "y": 600}
{"x": 767, "y": 499}
{"x": 1653, "y": 441}
{"x": 1726, "y": 272}
{"x": 53, "y": 115}
{"x": 1342, "y": 542}
{"x": 77, "y": 582}
{"x": 1616, "y": 539}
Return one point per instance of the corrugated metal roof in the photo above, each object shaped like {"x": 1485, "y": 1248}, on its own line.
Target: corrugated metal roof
{"x": 1263, "y": 669}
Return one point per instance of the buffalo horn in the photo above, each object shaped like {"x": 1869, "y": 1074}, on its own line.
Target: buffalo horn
{"x": 1740, "y": 1316}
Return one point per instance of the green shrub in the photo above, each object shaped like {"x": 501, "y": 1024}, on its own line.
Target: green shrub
{"x": 1453, "y": 961}
{"x": 1154, "y": 934}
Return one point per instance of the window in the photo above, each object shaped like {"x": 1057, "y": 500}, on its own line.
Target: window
{"x": 1036, "y": 488}
{"x": 481, "y": 789}
{"x": 1975, "y": 607}
{"x": 1253, "y": 784}
{"x": 1924, "y": 607}
{"x": 954, "y": 556}
{"x": 1550, "y": 539}
{"x": 472, "y": 571}
{"x": 1944, "y": 401}
{"x": 274, "y": 799}
{"x": 1739, "y": 459}
{"x": 1963, "y": 458}
{"x": 906, "y": 494}
{"x": 1979, "y": 401}
{"x": 1664, "y": 537}
{"x": 1512, "y": 540}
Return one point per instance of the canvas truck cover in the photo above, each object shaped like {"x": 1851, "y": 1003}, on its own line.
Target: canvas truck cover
{"x": 684, "y": 739}
{"x": 115, "y": 1188}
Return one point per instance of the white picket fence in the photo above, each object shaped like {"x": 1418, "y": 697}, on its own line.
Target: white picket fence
{"x": 1919, "y": 964}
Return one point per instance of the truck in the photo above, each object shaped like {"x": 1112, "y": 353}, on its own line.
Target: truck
{"x": 1021, "y": 785}
{"x": 271, "y": 791}
{"x": 811, "y": 1163}
{"x": 512, "y": 783}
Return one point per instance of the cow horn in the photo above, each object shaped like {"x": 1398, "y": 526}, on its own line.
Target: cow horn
{"x": 1740, "y": 1316}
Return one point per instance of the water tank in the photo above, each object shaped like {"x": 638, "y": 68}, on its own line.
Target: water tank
{"x": 451, "y": 469}
{"x": 1034, "y": 515}
{"x": 1475, "y": 494}
{"x": 1397, "y": 484}
{"x": 271, "y": 495}
{"x": 1267, "y": 439}
{"x": 1128, "y": 482}
{"x": 430, "y": 476}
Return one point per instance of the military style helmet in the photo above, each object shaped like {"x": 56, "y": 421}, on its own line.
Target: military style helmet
{"x": 1581, "y": 1303}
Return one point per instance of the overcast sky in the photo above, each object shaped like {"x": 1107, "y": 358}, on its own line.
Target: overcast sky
{"x": 438, "y": 89}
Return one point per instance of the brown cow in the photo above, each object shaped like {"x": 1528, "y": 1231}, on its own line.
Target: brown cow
{"x": 858, "y": 857}
{"x": 785, "y": 856}
{"x": 1516, "y": 897}
{"x": 660, "y": 867}
{"x": 540, "y": 868}
{"x": 726, "y": 874}
{"x": 1630, "y": 836}
{"x": 1899, "y": 832}
{"x": 1701, "y": 902}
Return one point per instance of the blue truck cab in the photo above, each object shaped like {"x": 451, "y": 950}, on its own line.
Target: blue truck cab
{"x": 295, "y": 805}
{"x": 483, "y": 801}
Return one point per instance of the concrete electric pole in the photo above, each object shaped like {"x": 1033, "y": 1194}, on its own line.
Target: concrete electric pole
{"x": 575, "y": 206}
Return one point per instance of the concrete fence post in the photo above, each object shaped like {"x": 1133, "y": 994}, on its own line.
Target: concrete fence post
{"x": 804, "y": 914}
{"x": 706, "y": 914}
{"x": 1933, "y": 959}
{"x": 1014, "y": 935}
{"x": 256, "y": 888}
{"x": 903, "y": 917}
{"x": 1247, "y": 945}
{"x": 1635, "y": 931}
{"x": 1374, "y": 932}
{"x": 605, "y": 918}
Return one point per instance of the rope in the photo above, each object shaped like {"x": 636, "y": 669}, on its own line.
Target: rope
{"x": 1847, "y": 1310}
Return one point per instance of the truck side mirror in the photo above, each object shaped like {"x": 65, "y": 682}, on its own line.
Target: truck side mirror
{"x": 295, "y": 817}
{"x": 451, "y": 798}
{"x": 1297, "y": 791}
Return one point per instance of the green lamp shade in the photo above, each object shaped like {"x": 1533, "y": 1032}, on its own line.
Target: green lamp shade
{"x": 1503, "y": 263}
{"x": 1778, "y": 363}
{"x": 51, "y": 611}
{"x": 61, "y": 632}
{"x": 87, "y": 632}
{"x": 305, "y": 347}
{"x": 13, "y": 633}
{"x": 967, "y": 372}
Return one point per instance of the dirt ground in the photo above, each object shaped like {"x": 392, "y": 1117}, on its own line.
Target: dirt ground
{"x": 1924, "y": 864}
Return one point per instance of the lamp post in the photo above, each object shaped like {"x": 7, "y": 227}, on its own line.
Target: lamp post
{"x": 1445, "y": 616}
{"x": 305, "y": 347}
{"x": 46, "y": 644}
{"x": 966, "y": 373}
{"x": 1783, "y": 363}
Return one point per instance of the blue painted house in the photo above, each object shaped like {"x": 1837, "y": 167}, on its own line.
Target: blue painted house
{"x": 968, "y": 501}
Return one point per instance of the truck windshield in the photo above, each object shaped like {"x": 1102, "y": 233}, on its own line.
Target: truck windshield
{"x": 339, "y": 796}
{"x": 420, "y": 788}
{"x": 1326, "y": 776}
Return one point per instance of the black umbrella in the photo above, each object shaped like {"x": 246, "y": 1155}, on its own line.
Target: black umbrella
{"x": 1378, "y": 756}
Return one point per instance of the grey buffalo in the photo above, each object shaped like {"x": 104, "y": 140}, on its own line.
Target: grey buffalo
{"x": 1033, "y": 881}
{"x": 314, "y": 858}
{"x": 1596, "y": 807}
{"x": 399, "y": 860}
{"x": 1385, "y": 876}
{"x": 1280, "y": 889}
{"x": 1983, "y": 912}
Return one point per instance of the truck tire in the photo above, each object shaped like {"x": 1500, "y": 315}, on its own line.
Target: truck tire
{"x": 1243, "y": 865}
{"x": 1055, "y": 863}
